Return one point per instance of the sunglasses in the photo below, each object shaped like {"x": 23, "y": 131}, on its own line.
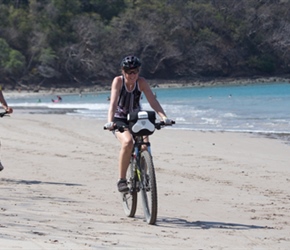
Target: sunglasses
{"x": 133, "y": 71}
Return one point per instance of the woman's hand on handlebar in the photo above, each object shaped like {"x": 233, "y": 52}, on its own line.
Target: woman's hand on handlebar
{"x": 160, "y": 124}
{"x": 113, "y": 126}
{"x": 9, "y": 110}
{"x": 109, "y": 126}
{"x": 167, "y": 121}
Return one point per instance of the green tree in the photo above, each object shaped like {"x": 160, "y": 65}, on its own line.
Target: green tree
{"x": 12, "y": 62}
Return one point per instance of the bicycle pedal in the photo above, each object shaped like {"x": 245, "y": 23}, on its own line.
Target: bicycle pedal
{"x": 125, "y": 193}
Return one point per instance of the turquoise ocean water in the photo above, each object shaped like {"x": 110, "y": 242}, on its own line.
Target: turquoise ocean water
{"x": 257, "y": 108}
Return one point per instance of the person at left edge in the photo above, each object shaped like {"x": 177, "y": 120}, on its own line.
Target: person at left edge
{"x": 8, "y": 110}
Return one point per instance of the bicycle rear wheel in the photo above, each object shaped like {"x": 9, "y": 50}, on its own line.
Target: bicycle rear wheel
{"x": 129, "y": 199}
{"x": 148, "y": 188}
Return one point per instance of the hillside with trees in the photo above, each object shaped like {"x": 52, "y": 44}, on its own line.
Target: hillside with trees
{"x": 81, "y": 42}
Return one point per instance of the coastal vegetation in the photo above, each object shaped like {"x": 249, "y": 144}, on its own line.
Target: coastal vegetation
{"x": 81, "y": 42}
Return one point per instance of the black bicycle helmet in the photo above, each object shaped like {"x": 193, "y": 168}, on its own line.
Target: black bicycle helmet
{"x": 130, "y": 62}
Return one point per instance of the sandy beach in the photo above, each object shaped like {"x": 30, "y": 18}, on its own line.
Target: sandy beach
{"x": 215, "y": 190}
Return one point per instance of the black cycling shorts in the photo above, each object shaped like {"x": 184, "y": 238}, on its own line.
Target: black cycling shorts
{"x": 120, "y": 122}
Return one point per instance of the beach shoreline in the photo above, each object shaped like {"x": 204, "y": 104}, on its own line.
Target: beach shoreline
{"x": 155, "y": 84}
{"x": 37, "y": 106}
{"x": 282, "y": 136}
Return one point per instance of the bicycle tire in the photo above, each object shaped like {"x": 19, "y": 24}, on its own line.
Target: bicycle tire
{"x": 148, "y": 188}
{"x": 129, "y": 199}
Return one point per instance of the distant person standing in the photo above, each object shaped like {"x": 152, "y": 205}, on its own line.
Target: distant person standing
{"x": 8, "y": 110}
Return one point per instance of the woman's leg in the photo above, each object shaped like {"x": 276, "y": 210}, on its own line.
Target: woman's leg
{"x": 126, "y": 141}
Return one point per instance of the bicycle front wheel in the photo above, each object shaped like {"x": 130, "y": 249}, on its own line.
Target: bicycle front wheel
{"x": 148, "y": 188}
{"x": 129, "y": 199}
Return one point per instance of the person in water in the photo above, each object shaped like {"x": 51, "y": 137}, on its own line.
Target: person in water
{"x": 59, "y": 99}
{"x": 126, "y": 92}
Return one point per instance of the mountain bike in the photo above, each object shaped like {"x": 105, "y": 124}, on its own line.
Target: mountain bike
{"x": 141, "y": 175}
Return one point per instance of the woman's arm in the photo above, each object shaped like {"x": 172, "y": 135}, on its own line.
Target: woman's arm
{"x": 115, "y": 90}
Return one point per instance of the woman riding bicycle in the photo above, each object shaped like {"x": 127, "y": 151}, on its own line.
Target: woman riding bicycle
{"x": 125, "y": 97}
{"x": 8, "y": 110}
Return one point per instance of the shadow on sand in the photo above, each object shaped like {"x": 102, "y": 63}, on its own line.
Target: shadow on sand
{"x": 175, "y": 222}
{"x": 34, "y": 182}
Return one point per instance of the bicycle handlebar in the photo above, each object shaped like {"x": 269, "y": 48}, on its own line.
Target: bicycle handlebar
{"x": 2, "y": 114}
{"x": 158, "y": 126}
